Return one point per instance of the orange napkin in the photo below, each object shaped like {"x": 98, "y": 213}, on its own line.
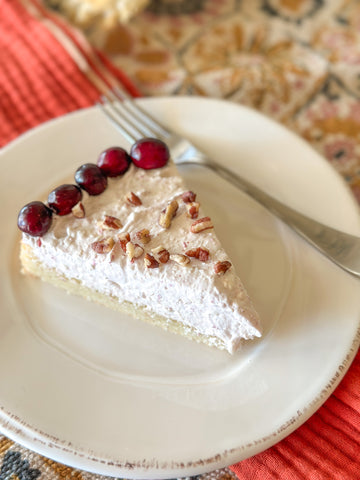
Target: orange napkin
{"x": 42, "y": 74}
{"x": 326, "y": 447}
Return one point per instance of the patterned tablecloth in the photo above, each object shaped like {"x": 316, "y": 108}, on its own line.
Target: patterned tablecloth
{"x": 298, "y": 62}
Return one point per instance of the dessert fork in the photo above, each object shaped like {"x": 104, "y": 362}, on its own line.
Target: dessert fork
{"x": 134, "y": 123}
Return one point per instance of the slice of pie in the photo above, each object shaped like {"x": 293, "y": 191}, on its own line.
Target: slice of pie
{"x": 131, "y": 236}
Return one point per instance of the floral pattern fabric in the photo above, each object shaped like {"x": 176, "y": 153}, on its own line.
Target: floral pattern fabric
{"x": 297, "y": 61}
{"x": 18, "y": 463}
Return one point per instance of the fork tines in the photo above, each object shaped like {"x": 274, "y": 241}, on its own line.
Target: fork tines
{"x": 132, "y": 120}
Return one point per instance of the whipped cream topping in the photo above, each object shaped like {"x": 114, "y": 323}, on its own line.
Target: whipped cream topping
{"x": 215, "y": 305}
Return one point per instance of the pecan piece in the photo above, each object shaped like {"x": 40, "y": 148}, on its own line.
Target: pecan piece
{"x": 133, "y": 251}
{"x": 162, "y": 254}
{"x": 221, "y": 267}
{"x": 180, "y": 259}
{"x": 200, "y": 253}
{"x": 78, "y": 210}
{"x": 104, "y": 245}
{"x": 188, "y": 197}
{"x": 143, "y": 236}
{"x": 150, "y": 261}
{"x": 133, "y": 199}
{"x": 201, "y": 224}
{"x": 123, "y": 239}
{"x": 192, "y": 209}
{"x": 111, "y": 223}
{"x": 168, "y": 214}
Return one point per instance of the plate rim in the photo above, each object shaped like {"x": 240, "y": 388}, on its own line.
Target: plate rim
{"x": 20, "y": 432}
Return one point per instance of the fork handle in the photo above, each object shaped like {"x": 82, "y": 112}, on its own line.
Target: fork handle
{"x": 342, "y": 248}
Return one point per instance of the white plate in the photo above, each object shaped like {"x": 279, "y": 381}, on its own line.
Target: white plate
{"x": 117, "y": 397}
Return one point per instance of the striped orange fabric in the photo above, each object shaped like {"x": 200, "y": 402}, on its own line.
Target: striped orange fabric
{"x": 39, "y": 80}
{"x": 326, "y": 447}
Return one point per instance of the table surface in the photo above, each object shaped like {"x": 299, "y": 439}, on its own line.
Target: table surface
{"x": 297, "y": 62}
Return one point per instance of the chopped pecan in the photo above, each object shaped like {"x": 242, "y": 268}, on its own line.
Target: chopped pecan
{"x": 162, "y": 254}
{"x": 133, "y": 199}
{"x": 188, "y": 197}
{"x": 192, "y": 209}
{"x": 143, "y": 236}
{"x": 150, "y": 261}
{"x": 201, "y": 224}
{"x": 200, "y": 253}
{"x": 78, "y": 210}
{"x": 221, "y": 267}
{"x": 133, "y": 250}
{"x": 123, "y": 239}
{"x": 104, "y": 245}
{"x": 158, "y": 249}
{"x": 180, "y": 259}
{"x": 168, "y": 214}
{"x": 111, "y": 223}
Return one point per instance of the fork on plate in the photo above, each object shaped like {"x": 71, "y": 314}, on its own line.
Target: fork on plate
{"x": 134, "y": 123}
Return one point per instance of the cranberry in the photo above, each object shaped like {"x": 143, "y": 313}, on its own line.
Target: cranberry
{"x": 114, "y": 161}
{"x": 91, "y": 179}
{"x": 35, "y": 219}
{"x": 64, "y": 198}
{"x": 149, "y": 153}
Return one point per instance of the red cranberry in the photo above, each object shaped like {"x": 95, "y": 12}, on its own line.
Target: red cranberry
{"x": 64, "y": 198}
{"x": 91, "y": 179}
{"x": 114, "y": 161}
{"x": 149, "y": 153}
{"x": 35, "y": 219}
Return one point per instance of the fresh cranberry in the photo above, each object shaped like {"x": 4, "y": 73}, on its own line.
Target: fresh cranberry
{"x": 114, "y": 161}
{"x": 35, "y": 219}
{"x": 149, "y": 153}
{"x": 91, "y": 179}
{"x": 64, "y": 198}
